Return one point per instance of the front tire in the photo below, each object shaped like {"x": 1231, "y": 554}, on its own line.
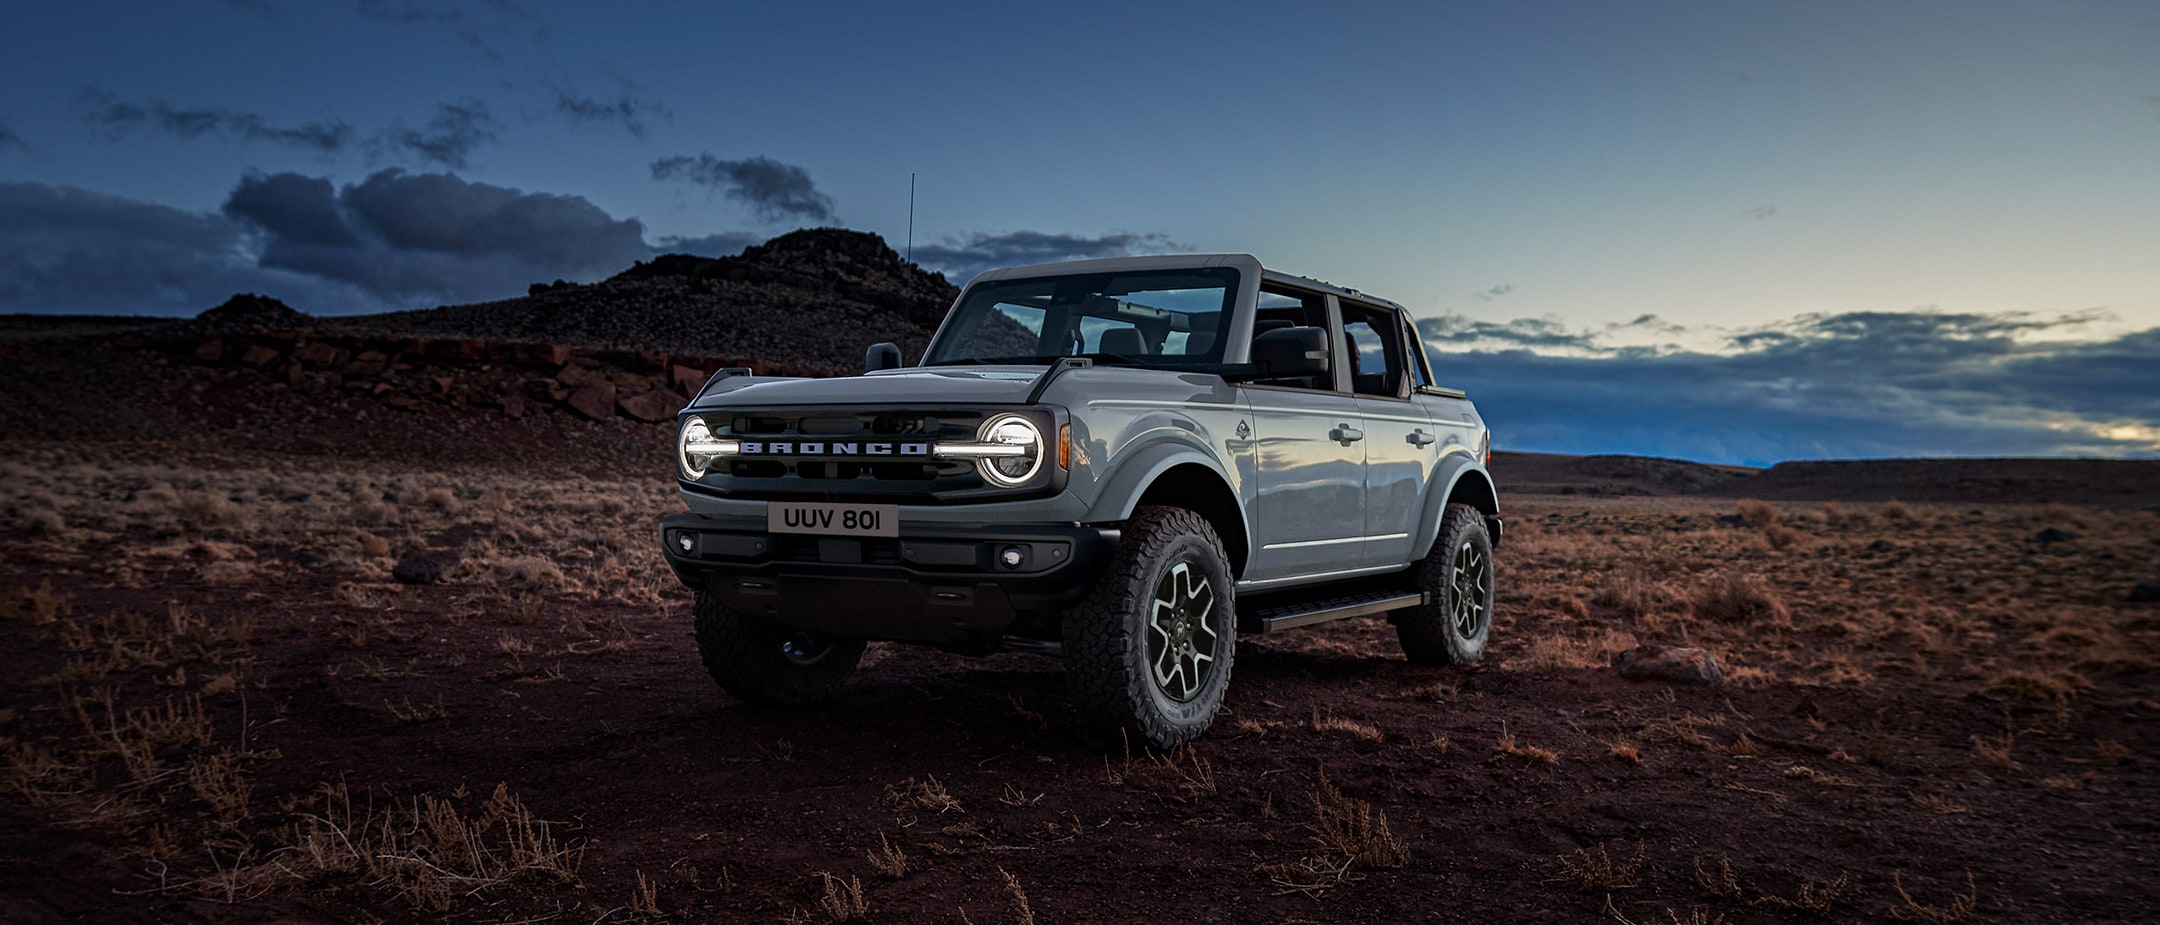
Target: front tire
{"x": 1458, "y": 579}
{"x": 1149, "y": 651}
{"x": 764, "y": 663}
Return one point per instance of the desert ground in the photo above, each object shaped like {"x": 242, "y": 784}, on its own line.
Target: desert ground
{"x": 220, "y": 705}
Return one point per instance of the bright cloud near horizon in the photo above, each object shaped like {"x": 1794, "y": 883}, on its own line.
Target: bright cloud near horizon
{"x": 1816, "y": 230}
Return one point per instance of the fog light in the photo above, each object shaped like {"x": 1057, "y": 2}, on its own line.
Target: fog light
{"x": 687, "y": 542}
{"x": 1012, "y": 557}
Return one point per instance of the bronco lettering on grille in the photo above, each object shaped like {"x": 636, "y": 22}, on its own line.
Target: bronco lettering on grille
{"x": 833, "y": 448}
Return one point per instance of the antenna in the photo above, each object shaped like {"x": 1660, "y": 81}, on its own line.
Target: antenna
{"x": 911, "y": 216}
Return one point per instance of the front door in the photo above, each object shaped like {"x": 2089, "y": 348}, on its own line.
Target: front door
{"x": 1307, "y": 513}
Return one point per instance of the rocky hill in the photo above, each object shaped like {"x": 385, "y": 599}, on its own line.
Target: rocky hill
{"x": 810, "y": 299}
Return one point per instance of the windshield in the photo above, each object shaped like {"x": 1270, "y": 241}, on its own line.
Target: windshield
{"x": 1154, "y": 318}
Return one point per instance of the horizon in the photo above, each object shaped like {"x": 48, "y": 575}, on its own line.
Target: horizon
{"x": 1678, "y": 230}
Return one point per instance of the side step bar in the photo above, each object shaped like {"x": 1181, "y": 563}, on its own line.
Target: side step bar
{"x": 1291, "y": 616}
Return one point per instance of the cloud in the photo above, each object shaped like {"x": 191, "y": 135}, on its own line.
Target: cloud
{"x": 622, "y": 109}
{"x": 1759, "y": 212}
{"x": 725, "y": 244}
{"x": 963, "y": 256}
{"x": 774, "y": 191}
{"x": 69, "y": 250}
{"x": 394, "y": 240}
{"x": 406, "y": 238}
{"x": 8, "y": 138}
{"x": 476, "y": 24}
{"x": 1495, "y": 292}
{"x": 160, "y": 116}
{"x": 1522, "y": 332}
{"x": 1854, "y": 384}
{"x": 448, "y": 139}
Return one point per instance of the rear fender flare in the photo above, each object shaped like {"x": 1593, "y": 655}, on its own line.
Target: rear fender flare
{"x": 1458, "y": 471}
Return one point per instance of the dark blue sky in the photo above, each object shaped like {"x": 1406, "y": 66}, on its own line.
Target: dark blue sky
{"x": 1619, "y": 197}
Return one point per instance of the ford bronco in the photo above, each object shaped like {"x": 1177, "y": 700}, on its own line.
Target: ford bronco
{"x": 1124, "y": 463}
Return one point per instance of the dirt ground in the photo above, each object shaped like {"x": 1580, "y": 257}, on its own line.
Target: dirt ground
{"x": 217, "y": 705}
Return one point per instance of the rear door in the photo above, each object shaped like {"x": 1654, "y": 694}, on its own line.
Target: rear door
{"x": 1401, "y": 439}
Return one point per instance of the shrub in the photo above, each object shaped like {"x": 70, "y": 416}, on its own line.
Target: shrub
{"x": 1733, "y": 598}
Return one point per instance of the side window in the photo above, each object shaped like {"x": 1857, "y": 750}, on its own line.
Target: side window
{"x": 1420, "y": 376}
{"x": 1376, "y": 347}
{"x": 1282, "y": 307}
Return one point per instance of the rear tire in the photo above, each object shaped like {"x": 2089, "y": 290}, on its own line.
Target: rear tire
{"x": 765, "y": 663}
{"x": 1458, "y": 579}
{"x": 1149, "y": 651}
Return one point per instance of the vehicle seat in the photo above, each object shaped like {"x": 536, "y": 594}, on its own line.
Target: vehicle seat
{"x": 1123, "y": 342}
{"x": 1197, "y": 345}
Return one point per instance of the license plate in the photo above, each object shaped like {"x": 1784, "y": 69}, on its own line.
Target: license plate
{"x": 833, "y": 519}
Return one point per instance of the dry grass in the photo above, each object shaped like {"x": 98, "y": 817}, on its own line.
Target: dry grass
{"x": 842, "y": 900}
{"x": 1338, "y": 725}
{"x": 1938, "y": 804}
{"x": 888, "y": 860}
{"x": 1815, "y": 897}
{"x": 1743, "y": 599}
{"x": 1958, "y": 909}
{"x": 1803, "y": 772}
{"x": 1759, "y": 513}
{"x": 1594, "y": 869}
{"x": 1995, "y": 752}
{"x": 1023, "y": 914}
{"x": 1353, "y": 831}
{"x": 926, "y": 794}
{"x": 1719, "y": 882}
{"x": 1508, "y": 747}
{"x": 429, "y": 851}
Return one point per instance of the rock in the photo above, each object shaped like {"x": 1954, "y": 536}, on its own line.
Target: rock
{"x": 1881, "y": 546}
{"x": 545, "y": 390}
{"x": 2052, "y": 535}
{"x": 211, "y": 351}
{"x": 2146, "y": 591}
{"x": 513, "y": 406}
{"x": 258, "y": 355}
{"x": 687, "y": 379}
{"x": 256, "y": 311}
{"x": 654, "y": 406}
{"x": 575, "y": 376}
{"x": 320, "y": 355}
{"x": 418, "y": 569}
{"x": 1678, "y": 664}
{"x": 596, "y": 401}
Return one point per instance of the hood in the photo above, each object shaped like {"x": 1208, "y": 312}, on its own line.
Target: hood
{"x": 974, "y": 385}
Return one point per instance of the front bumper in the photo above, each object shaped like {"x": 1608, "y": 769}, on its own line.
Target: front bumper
{"x": 938, "y": 583}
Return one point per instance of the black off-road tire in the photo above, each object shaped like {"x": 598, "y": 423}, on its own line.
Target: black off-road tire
{"x": 767, "y": 664}
{"x": 1458, "y": 579}
{"x": 1109, "y": 667}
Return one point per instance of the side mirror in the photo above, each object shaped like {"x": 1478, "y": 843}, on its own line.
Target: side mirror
{"x": 1291, "y": 352}
{"x": 881, "y": 356}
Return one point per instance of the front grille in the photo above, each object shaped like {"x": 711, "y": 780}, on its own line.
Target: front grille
{"x": 825, "y": 475}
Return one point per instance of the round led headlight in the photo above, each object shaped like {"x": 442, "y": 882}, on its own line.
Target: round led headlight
{"x": 694, "y": 433}
{"x": 1011, "y": 430}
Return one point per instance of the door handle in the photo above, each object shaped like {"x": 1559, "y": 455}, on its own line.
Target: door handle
{"x": 1345, "y": 434}
{"x": 1420, "y": 438}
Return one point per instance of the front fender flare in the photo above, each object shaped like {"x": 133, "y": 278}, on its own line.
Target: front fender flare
{"x": 1140, "y": 468}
